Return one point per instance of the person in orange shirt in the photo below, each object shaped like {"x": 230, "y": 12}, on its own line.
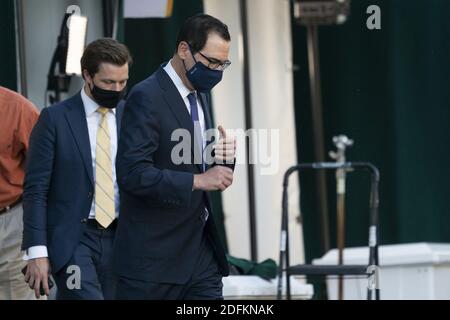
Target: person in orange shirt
{"x": 17, "y": 118}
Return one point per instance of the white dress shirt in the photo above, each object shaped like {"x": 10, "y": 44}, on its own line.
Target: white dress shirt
{"x": 93, "y": 119}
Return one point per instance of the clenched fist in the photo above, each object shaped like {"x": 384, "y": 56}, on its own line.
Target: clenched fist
{"x": 216, "y": 178}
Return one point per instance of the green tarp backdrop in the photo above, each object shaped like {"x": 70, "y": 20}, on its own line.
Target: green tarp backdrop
{"x": 389, "y": 90}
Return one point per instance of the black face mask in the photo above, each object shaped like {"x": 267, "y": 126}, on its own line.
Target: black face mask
{"x": 107, "y": 98}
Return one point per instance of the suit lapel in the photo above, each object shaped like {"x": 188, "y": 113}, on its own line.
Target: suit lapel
{"x": 76, "y": 118}
{"x": 119, "y": 113}
{"x": 177, "y": 106}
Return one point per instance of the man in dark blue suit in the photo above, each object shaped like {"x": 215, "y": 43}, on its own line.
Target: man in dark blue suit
{"x": 167, "y": 245}
{"x": 71, "y": 201}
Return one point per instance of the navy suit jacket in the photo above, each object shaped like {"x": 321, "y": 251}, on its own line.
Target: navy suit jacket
{"x": 160, "y": 230}
{"x": 59, "y": 182}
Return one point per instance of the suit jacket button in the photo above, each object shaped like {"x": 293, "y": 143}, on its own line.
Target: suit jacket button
{"x": 89, "y": 194}
{"x": 83, "y": 220}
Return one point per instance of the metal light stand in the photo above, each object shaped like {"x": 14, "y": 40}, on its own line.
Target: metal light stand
{"x": 312, "y": 14}
{"x": 57, "y": 79}
{"x": 342, "y": 143}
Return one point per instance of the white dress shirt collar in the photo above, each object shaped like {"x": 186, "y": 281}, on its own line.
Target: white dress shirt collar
{"x": 182, "y": 89}
{"x": 90, "y": 106}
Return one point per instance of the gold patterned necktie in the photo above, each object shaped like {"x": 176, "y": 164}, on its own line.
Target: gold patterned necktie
{"x": 104, "y": 184}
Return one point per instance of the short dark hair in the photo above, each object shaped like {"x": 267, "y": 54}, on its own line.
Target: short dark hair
{"x": 104, "y": 50}
{"x": 196, "y": 29}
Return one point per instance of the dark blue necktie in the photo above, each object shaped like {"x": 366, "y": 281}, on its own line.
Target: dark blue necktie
{"x": 198, "y": 142}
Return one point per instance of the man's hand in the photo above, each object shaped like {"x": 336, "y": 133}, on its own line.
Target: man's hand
{"x": 225, "y": 148}
{"x": 216, "y": 178}
{"x": 37, "y": 272}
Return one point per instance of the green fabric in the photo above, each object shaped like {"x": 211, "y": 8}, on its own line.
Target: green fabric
{"x": 8, "y": 76}
{"x": 266, "y": 269}
{"x": 387, "y": 89}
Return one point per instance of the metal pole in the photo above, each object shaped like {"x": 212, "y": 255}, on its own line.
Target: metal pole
{"x": 20, "y": 49}
{"x": 317, "y": 119}
{"x": 116, "y": 19}
{"x": 374, "y": 291}
{"x": 248, "y": 125}
{"x": 340, "y": 179}
{"x": 342, "y": 143}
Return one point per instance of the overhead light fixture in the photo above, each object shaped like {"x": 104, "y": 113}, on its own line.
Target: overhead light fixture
{"x": 77, "y": 41}
{"x": 321, "y": 12}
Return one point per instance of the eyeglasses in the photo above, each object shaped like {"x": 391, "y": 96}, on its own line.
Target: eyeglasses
{"x": 216, "y": 64}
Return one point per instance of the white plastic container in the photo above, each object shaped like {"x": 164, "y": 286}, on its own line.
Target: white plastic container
{"x": 256, "y": 288}
{"x": 408, "y": 272}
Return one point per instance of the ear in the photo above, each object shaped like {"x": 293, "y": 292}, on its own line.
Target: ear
{"x": 86, "y": 76}
{"x": 183, "y": 50}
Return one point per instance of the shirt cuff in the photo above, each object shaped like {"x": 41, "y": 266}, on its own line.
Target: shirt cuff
{"x": 36, "y": 252}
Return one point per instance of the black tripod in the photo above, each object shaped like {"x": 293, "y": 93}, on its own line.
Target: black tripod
{"x": 370, "y": 270}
